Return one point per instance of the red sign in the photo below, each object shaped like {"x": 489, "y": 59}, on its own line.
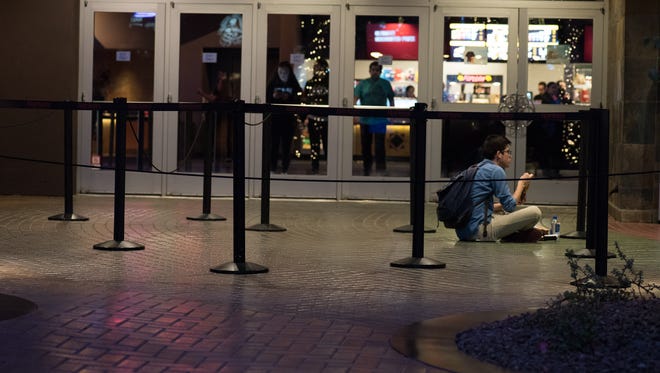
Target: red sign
{"x": 588, "y": 43}
{"x": 399, "y": 40}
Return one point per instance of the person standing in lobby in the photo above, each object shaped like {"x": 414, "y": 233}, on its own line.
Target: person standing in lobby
{"x": 282, "y": 89}
{"x": 541, "y": 90}
{"x": 374, "y": 91}
{"x": 221, "y": 93}
{"x": 316, "y": 93}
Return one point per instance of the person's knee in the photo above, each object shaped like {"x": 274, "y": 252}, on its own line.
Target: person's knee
{"x": 535, "y": 212}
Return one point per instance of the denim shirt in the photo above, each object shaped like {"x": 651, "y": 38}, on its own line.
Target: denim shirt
{"x": 490, "y": 180}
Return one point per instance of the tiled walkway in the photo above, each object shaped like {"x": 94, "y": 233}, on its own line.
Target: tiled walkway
{"x": 329, "y": 303}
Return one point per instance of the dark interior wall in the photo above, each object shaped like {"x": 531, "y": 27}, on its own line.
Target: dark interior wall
{"x": 634, "y": 103}
{"x": 39, "y": 48}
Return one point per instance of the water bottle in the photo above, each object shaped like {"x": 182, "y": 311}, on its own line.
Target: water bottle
{"x": 557, "y": 226}
{"x": 553, "y": 224}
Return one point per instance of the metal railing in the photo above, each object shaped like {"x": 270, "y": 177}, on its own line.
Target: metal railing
{"x": 594, "y": 174}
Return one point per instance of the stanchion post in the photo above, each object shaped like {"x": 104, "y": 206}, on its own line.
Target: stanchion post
{"x": 591, "y": 185}
{"x": 120, "y": 170}
{"x": 409, "y": 228}
{"x": 68, "y": 170}
{"x": 592, "y": 154}
{"x": 418, "y": 260}
{"x": 239, "y": 265}
{"x": 580, "y": 232}
{"x": 597, "y": 209}
{"x": 118, "y": 243}
{"x": 601, "y": 181}
{"x": 208, "y": 173}
{"x": 140, "y": 140}
{"x": 265, "y": 225}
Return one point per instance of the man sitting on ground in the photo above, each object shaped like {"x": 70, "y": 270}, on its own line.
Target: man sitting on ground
{"x": 510, "y": 223}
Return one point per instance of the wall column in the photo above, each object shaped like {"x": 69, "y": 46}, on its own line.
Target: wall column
{"x": 634, "y": 91}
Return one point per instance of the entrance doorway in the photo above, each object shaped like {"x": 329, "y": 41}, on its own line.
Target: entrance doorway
{"x": 480, "y": 72}
{"x": 209, "y": 62}
{"x": 121, "y": 54}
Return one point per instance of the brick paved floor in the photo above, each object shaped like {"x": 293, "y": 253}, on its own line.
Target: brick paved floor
{"x": 329, "y": 303}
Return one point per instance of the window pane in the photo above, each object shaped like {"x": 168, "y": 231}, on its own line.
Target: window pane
{"x": 301, "y": 42}
{"x": 123, "y": 67}
{"x": 560, "y": 52}
{"x": 209, "y": 70}
{"x": 559, "y": 72}
{"x": 393, "y": 42}
{"x": 475, "y": 59}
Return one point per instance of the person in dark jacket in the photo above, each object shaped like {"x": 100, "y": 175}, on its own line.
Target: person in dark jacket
{"x": 316, "y": 93}
{"x": 282, "y": 89}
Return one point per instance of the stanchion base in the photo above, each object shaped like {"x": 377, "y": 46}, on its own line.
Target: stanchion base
{"x": 208, "y": 217}
{"x": 234, "y": 268}
{"x": 412, "y": 262}
{"x": 588, "y": 253}
{"x": 599, "y": 282}
{"x": 578, "y": 235}
{"x": 113, "y": 245}
{"x": 68, "y": 217}
{"x": 265, "y": 228}
{"x": 409, "y": 229}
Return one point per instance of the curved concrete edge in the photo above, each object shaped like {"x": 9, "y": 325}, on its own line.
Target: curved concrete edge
{"x": 433, "y": 341}
{"x": 12, "y": 307}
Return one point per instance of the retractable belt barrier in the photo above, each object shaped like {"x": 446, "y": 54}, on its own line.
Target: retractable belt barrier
{"x": 594, "y": 172}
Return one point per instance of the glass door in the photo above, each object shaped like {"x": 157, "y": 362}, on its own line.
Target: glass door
{"x": 298, "y": 66}
{"x": 209, "y": 61}
{"x": 121, "y": 56}
{"x": 560, "y": 73}
{"x": 482, "y": 69}
{"x": 385, "y": 66}
{"x": 478, "y": 64}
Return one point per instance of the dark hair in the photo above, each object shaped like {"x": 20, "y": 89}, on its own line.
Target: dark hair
{"x": 286, "y": 65}
{"x": 493, "y": 144}
{"x": 375, "y": 63}
{"x": 552, "y": 85}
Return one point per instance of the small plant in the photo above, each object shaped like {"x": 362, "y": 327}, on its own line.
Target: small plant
{"x": 627, "y": 284}
{"x": 594, "y": 328}
{"x": 576, "y": 313}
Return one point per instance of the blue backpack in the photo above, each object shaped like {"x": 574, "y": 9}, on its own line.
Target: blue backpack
{"x": 454, "y": 202}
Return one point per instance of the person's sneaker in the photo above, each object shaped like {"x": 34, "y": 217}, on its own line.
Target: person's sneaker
{"x": 529, "y": 236}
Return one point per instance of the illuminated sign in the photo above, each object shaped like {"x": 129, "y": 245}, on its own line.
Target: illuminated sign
{"x": 474, "y": 78}
{"x": 209, "y": 57}
{"x": 143, "y": 19}
{"x": 231, "y": 31}
{"x": 123, "y": 56}
{"x": 399, "y": 40}
{"x": 467, "y": 36}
